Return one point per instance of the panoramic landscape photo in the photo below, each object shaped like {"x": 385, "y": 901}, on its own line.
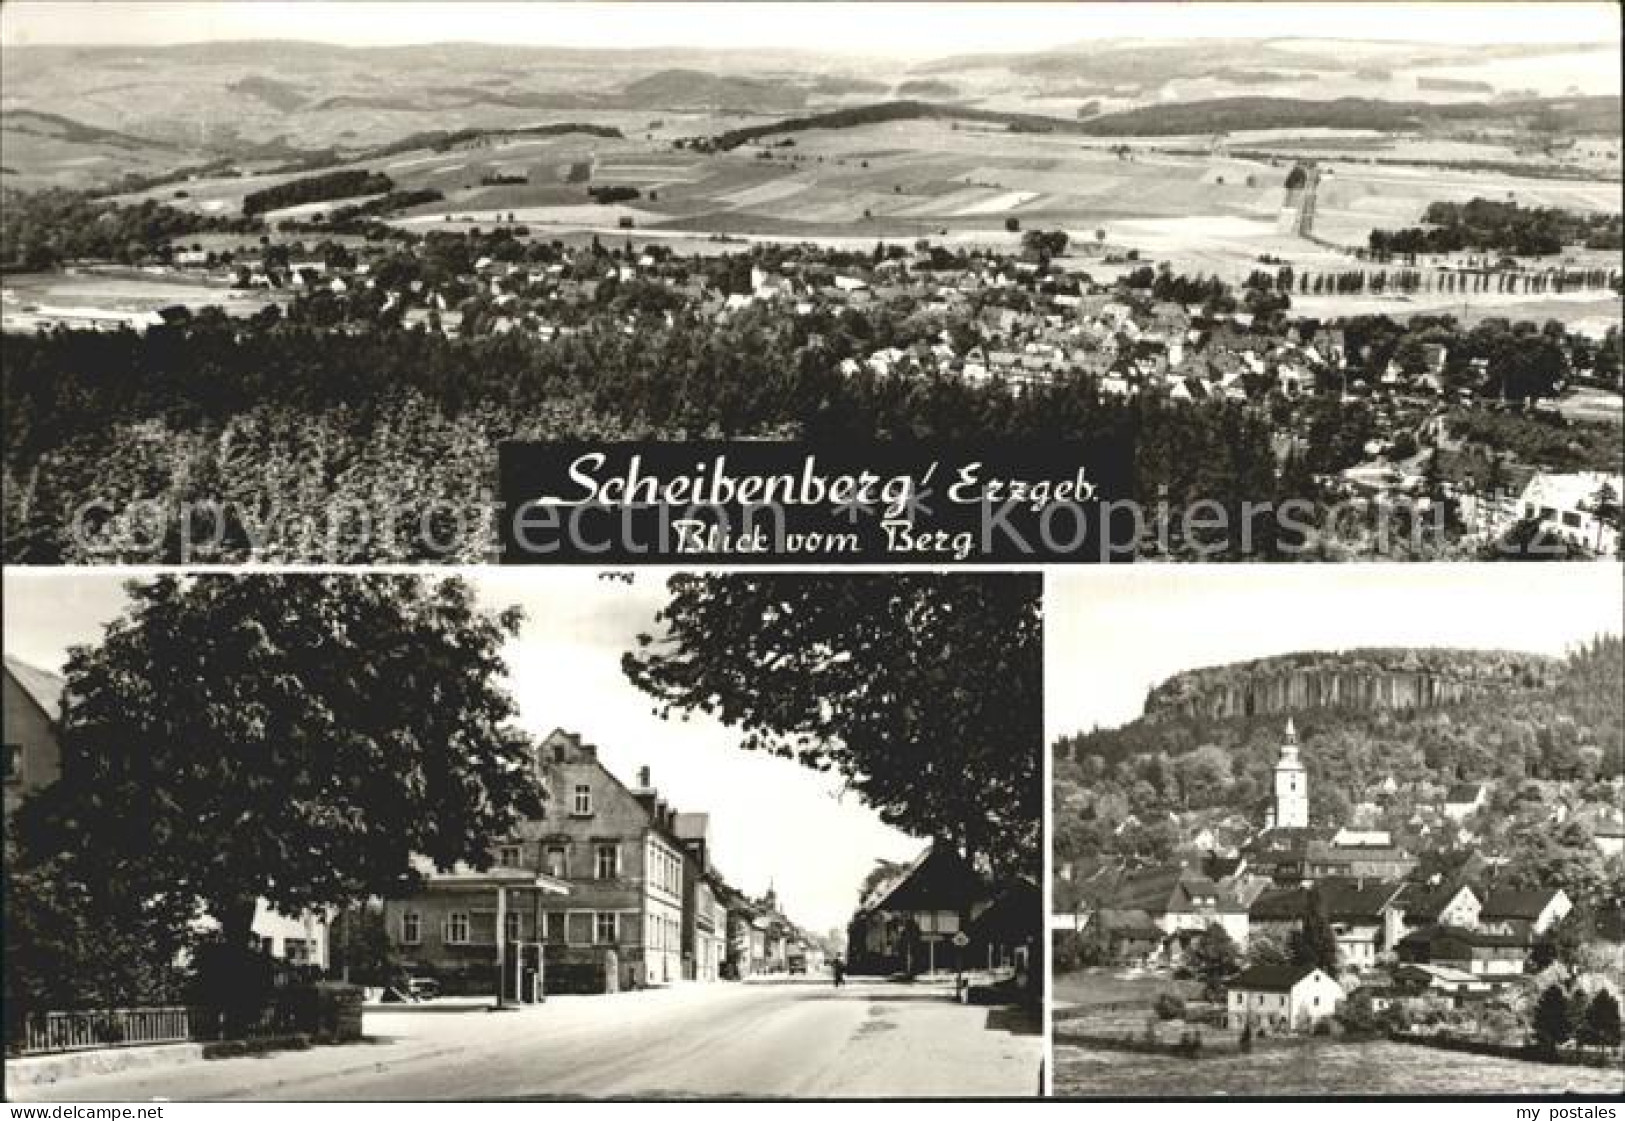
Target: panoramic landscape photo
{"x": 1335, "y": 831}
{"x": 278, "y": 282}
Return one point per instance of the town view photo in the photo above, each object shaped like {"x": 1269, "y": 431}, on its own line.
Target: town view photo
{"x": 278, "y": 282}
{"x": 1337, "y": 831}
{"x": 522, "y": 835}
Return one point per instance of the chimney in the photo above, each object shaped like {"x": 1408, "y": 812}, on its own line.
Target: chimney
{"x": 645, "y": 779}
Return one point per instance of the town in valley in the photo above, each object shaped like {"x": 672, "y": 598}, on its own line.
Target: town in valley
{"x": 1313, "y": 872}
{"x": 1381, "y": 279}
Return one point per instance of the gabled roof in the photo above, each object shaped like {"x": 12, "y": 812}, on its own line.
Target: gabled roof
{"x": 1425, "y": 906}
{"x": 1174, "y": 888}
{"x": 1272, "y": 978}
{"x": 44, "y": 688}
{"x": 1345, "y": 900}
{"x": 938, "y": 880}
{"x": 1427, "y": 935}
{"x": 1506, "y": 904}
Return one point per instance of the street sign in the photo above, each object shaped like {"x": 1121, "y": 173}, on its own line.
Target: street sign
{"x": 961, "y": 940}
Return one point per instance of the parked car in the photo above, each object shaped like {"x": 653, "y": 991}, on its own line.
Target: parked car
{"x": 423, "y": 988}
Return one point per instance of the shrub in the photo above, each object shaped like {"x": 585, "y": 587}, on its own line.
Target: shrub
{"x": 1170, "y": 1006}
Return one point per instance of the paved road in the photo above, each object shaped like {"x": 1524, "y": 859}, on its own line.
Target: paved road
{"x": 798, "y": 1039}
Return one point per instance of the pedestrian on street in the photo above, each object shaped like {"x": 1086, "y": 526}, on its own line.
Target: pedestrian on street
{"x": 840, "y": 972}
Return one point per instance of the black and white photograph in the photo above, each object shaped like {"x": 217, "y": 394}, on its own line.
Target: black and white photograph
{"x": 529, "y": 835}
{"x": 1324, "y": 832}
{"x": 280, "y": 278}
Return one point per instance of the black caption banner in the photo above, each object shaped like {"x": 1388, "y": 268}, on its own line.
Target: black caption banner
{"x": 760, "y": 502}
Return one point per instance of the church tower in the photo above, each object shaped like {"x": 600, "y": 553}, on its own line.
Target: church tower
{"x": 1291, "y": 785}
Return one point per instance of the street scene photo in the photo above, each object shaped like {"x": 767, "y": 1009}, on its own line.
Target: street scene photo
{"x": 510, "y": 835}
{"x": 1334, "y": 831}
{"x": 280, "y": 279}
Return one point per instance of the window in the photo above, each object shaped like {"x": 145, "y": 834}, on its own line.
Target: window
{"x": 606, "y": 927}
{"x": 411, "y": 928}
{"x": 582, "y": 805}
{"x": 13, "y": 762}
{"x": 1571, "y": 519}
{"x": 513, "y": 927}
{"x": 508, "y": 856}
{"x": 457, "y": 928}
{"x": 558, "y": 861}
{"x": 553, "y": 926}
{"x": 296, "y": 951}
{"x": 608, "y": 861}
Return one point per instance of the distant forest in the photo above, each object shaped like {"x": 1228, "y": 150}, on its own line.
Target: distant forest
{"x": 1224, "y": 114}
{"x": 317, "y": 188}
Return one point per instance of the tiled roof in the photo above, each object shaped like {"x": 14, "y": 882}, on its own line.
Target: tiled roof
{"x": 1271, "y": 978}
{"x": 1515, "y": 904}
{"x": 44, "y": 688}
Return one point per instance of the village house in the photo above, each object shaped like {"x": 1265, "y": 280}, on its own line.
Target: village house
{"x": 910, "y": 922}
{"x": 467, "y": 928}
{"x": 1281, "y": 998}
{"x": 1479, "y": 952}
{"x": 33, "y": 714}
{"x": 1366, "y": 916}
{"x": 1464, "y": 798}
{"x": 1454, "y": 904}
{"x": 705, "y": 918}
{"x": 1526, "y": 913}
{"x": 1577, "y": 506}
{"x": 618, "y": 923}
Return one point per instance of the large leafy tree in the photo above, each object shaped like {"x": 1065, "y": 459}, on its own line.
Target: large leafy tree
{"x": 1215, "y": 958}
{"x": 923, "y": 691}
{"x": 296, "y": 738}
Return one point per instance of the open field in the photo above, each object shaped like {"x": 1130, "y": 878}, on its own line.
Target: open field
{"x": 1320, "y": 1067}
{"x": 1092, "y": 987}
{"x": 126, "y": 292}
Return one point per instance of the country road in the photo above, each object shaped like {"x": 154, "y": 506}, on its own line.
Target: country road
{"x": 784, "y": 1039}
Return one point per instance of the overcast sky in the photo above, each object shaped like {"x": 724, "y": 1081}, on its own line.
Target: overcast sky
{"x": 1113, "y": 632}
{"x": 771, "y": 819}
{"x": 913, "y": 29}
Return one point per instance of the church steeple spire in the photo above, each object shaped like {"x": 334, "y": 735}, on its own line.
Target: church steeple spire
{"x": 1291, "y": 784}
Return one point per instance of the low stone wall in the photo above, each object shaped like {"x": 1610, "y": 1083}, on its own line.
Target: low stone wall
{"x": 44, "y": 1070}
